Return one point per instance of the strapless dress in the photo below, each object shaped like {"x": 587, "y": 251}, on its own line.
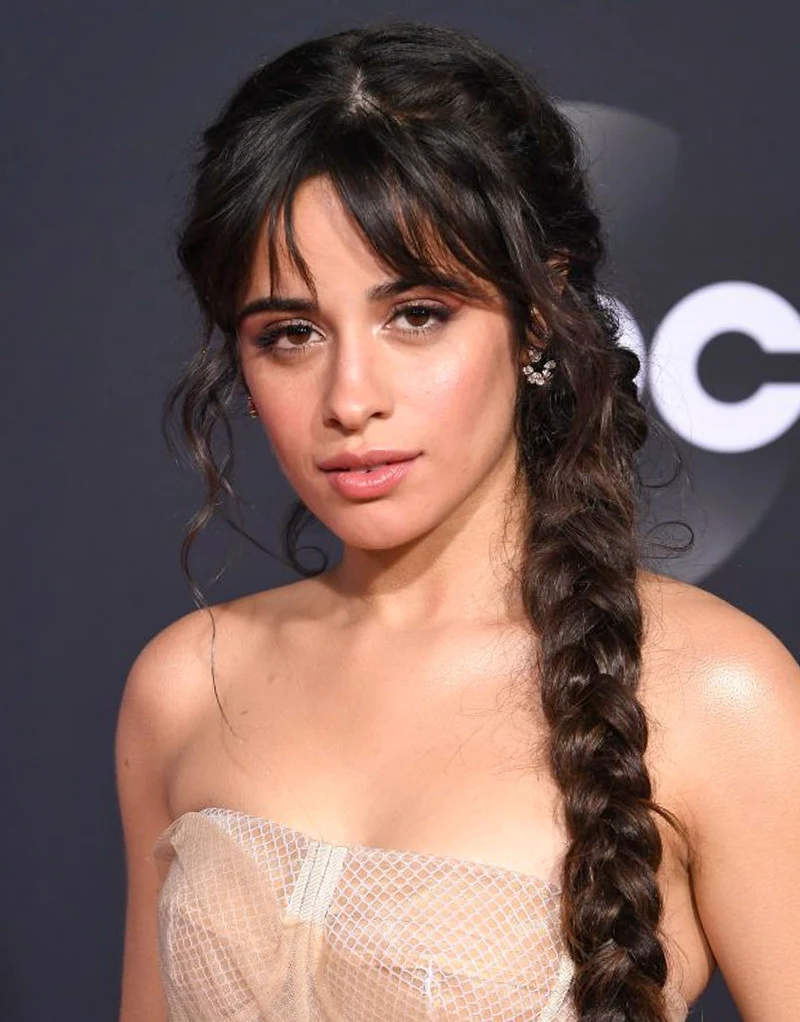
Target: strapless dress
{"x": 260, "y": 922}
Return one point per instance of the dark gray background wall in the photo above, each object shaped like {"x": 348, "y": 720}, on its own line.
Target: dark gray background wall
{"x": 690, "y": 114}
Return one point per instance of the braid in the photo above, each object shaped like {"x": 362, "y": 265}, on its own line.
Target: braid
{"x": 579, "y": 588}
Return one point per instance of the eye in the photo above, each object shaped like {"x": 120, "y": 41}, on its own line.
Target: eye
{"x": 292, "y": 337}
{"x": 434, "y": 314}
{"x": 296, "y": 333}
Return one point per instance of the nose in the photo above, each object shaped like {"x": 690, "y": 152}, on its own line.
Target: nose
{"x": 358, "y": 385}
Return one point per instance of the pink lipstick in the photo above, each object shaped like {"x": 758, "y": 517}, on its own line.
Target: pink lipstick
{"x": 367, "y": 474}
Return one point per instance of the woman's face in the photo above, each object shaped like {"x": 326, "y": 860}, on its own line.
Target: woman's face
{"x": 416, "y": 376}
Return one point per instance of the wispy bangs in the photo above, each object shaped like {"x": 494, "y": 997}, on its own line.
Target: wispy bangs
{"x": 428, "y": 213}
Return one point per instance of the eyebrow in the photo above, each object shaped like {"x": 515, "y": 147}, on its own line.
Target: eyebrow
{"x": 379, "y": 292}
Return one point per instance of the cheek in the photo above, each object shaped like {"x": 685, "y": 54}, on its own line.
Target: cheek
{"x": 467, "y": 394}
{"x": 287, "y": 423}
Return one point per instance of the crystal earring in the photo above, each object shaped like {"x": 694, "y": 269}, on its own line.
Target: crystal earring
{"x": 538, "y": 376}
{"x": 251, "y": 408}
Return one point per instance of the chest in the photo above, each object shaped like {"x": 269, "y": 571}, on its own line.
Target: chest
{"x": 441, "y": 755}
{"x": 424, "y": 761}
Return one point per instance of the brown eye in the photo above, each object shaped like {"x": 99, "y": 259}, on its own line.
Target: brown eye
{"x": 431, "y": 314}
{"x": 296, "y": 335}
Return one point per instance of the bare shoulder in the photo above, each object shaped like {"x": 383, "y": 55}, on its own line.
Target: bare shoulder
{"x": 728, "y": 691}
{"x": 171, "y": 693}
{"x": 168, "y": 695}
{"x": 169, "y": 684}
{"x": 163, "y": 687}
{"x": 725, "y": 687}
{"x": 713, "y": 652}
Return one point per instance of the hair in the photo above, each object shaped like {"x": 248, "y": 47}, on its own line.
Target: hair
{"x": 438, "y": 144}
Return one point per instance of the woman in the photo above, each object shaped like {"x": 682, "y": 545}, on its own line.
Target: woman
{"x": 487, "y": 767}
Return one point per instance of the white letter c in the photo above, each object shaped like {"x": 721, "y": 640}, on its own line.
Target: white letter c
{"x": 683, "y": 403}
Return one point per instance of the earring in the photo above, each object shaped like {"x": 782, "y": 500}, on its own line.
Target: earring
{"x": 251, "y": 408}
{"x": 538, "y": 376}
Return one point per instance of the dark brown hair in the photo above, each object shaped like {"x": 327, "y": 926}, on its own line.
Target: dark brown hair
{"x": 423, "y": 127}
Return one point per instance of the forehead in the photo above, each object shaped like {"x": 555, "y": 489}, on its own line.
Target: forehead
{"x": 322, "y": 245}
{"x": 322, "y": 232}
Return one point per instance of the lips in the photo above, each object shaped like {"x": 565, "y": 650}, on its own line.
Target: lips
{"x": 354, "y": 461}
{"x": 364, "y": 476}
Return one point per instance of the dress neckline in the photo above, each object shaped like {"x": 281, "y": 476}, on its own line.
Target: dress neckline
{"x": 373, "y": 850}
{"x": 392, "y": 853}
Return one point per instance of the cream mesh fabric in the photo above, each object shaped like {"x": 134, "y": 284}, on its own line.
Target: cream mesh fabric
{"x": 258, "y": 922}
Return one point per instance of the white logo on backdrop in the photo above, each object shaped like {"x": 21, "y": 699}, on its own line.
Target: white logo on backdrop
{"x": 670, "y": 365}
{"x": 735, "y": 472}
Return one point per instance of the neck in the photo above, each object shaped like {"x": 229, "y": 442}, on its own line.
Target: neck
{"x": 464, "y": 569}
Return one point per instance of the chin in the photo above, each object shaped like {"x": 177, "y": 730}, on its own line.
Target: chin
{"x": 376, "y": 525}
{"x": 374, "y": 536}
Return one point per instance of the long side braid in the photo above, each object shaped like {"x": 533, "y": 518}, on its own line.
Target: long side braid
{"x": 579, "y": 586}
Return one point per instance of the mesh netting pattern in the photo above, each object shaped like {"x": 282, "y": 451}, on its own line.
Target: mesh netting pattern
{"x": 259, "y": 922}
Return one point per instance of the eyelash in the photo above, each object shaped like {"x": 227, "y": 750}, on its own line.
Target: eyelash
{"x": 267, "y": 339}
